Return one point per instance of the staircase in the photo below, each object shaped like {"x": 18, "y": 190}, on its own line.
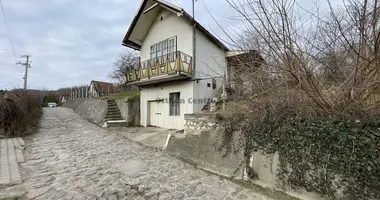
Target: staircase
{"x": 113, "y": 116}
{"x": 217, "y": 94}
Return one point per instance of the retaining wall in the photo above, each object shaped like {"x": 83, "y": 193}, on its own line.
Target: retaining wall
{"x": 203, "y": 144}
{"x": 89, "y": 108}
{"x": 205, "y": 150}
{"x": 130, "y": 110}
{"x": 199, "y": 122}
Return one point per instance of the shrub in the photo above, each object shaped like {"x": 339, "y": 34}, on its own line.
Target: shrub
{"x": 20, "y": 112}
{"x": 319, "y": 147}
{"x": 315, "y": 98}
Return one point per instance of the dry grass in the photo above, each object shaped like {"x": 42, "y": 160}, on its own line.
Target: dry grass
{"x": 20, "y": 112}
{"x": 332, "y": 70}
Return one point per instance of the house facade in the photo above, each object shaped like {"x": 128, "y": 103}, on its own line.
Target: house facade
{"x": 171, "y": 81}
{"x": 99, "y": 88}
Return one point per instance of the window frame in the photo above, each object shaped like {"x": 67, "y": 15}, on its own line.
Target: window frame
{"x": 175, "y": 104}
{"x": 163, "y": 48}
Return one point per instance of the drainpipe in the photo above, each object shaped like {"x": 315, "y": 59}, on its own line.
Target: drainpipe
{"x": 194, "y": 38}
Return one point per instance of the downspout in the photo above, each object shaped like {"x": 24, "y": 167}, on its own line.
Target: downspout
{"x": 194, "y": 38}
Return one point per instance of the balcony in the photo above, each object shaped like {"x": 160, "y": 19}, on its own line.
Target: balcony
{"x": 170, "y": 67}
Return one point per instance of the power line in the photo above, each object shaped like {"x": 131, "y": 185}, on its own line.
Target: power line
{"x": 10, "y": 84}
{"x": 177, "y": 2}
{"x": 6, "y": 27}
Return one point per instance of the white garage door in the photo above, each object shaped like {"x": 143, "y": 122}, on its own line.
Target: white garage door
{"x": 154, "y": 114}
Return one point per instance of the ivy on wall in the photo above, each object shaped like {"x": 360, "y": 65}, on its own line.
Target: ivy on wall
{"x": 318, "y": 151}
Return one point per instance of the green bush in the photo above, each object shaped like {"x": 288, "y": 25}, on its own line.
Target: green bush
{"x": 318, "y": 151}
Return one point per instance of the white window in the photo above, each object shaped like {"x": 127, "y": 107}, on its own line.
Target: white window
{"x": 172, "y": 49}
{"x": 163, "y": 48}
{"x": 153, "y": 51}
{"x": 171, "y": 45}
{"x": 174, "y": 100}
{"x": 158, "y": 50}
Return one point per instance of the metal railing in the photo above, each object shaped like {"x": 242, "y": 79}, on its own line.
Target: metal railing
{"x": 172, "y": 63}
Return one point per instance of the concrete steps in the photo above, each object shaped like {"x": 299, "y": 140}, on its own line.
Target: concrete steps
{"x": 113, "y": 116}
{"x": 116, "y": 123}
{"x": 113, "y": 112}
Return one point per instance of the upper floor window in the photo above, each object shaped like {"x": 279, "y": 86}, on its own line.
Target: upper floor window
{"x": 164, "y": 47}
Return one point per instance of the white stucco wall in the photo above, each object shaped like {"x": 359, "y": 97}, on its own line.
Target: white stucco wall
{"x": 210, "y": 62}
{"x": 92, "y": 91}
{"x": 162, "y": 91}
{"x": 170, "y": 26}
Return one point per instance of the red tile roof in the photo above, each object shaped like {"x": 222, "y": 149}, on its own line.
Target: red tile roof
{"x": 105, "y": 87}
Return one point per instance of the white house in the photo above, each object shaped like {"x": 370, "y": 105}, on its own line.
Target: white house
{"x": 171, "y": 85}
{"x": 99, "y": 88}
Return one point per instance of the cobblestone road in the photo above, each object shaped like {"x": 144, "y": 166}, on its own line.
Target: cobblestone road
{"x": 71, "y": 158}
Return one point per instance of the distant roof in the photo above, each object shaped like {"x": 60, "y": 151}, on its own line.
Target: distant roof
{"x": 244, "y": 54}
{"x": 232, "y": 53}
{"x": 105, "y": 86}
{"x": 151, "y": 4}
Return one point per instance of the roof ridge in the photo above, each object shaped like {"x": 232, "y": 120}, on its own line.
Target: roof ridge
{"x": 184, "y": 14}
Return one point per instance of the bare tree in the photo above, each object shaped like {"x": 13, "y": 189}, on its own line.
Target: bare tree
{"x": 303, "y": 51}
{"x": 315, "y": 67}
{"x": 127, "y": 60}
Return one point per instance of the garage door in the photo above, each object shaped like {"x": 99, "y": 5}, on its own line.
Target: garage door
{"x": 154, "y": 114}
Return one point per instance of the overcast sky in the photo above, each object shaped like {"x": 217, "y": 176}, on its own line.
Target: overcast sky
{"x": 75, "y": 41}
{"x": 72, "y": 41}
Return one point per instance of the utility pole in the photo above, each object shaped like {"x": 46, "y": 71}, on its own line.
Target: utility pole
{"x": 27, "y": 66}
{"x": 194, "y": 38}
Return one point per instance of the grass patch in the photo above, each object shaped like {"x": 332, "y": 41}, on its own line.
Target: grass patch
{"x": 121, "y": 95}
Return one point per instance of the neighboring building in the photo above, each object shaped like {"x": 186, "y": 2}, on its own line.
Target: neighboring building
{"x": 63, "y": 94}
{"x": 241, "y": 66}
{"x": 63, "y": 99}
{"x": 171, "y": 85}
{"x": 99, "y": 88}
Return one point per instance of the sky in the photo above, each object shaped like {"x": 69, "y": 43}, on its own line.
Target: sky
{"x": 72, "y": 42}
{"x": 75, "y": 41}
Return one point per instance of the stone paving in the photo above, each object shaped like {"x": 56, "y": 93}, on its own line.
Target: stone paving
{"x": 10, "y": 155}
{"x": 71, "y": 158}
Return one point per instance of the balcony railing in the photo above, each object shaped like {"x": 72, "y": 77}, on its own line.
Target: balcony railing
{"x": 171, "y": 64}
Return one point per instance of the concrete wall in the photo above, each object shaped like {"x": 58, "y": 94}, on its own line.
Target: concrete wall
{"x": 266, "y": 167}
{"x": 210, "y": 62}
{"x": 170, "y": 26}
{"x": 89, "y": 108}
{"x": 199, "y": 122}
{"x": 202, "y": 144}
{"x": 206, "y": 151}
{"x": 130, "y": 110}
{"x": 72, "y": 103}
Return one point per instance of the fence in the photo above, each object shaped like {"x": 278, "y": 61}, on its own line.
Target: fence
{"x": 80, "y": 92}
